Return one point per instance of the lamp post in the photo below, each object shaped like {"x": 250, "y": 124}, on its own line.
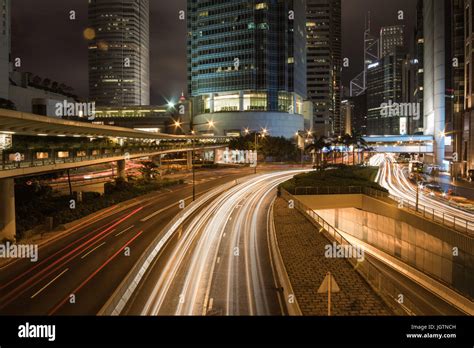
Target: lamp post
{"x": 193, "y": 167}
{"x": 302, "y": 134}
{"x": 257, "y": 134}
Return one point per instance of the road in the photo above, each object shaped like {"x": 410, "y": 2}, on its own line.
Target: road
{"x": 394, "y": 178}
{"x": 91, "y": 260}
{"x": 220, "y": 264}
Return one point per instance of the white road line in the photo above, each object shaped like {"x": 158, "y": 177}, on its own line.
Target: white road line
{"x": 125, "y": 230}
{"x": 90, "y": 252}
{"x": 218, "y": 260}
{"x": 162, "y": 210}
{"x": 51, "y": 282}
{"x": 211, "y": 303}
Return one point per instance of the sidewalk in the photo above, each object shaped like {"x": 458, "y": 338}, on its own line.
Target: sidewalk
{"x": 302, "y": 249}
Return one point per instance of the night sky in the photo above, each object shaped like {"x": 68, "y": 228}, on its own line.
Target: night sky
{"x": 51, "y": 45}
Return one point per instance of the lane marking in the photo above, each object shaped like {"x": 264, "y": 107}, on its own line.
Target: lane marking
{"x": 211, "y": 303}
{"x": 85, "y": 282}
{"x": 149, "y": 217}
{"x": 57, "y": 264}
{"x": 51, "y": 282}
{"x": 90, "y": 252}
{"x": 218, "y": 260}
{"x": 125, "y": 230}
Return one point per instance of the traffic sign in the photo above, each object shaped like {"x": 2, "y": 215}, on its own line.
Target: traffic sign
{"x": 329, "y": 286}
{"x": 329, "y": 283}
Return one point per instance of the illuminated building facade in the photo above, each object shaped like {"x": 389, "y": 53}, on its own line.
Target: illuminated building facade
{"x": 119, "y": 57}
{"x": 247, "y": 65}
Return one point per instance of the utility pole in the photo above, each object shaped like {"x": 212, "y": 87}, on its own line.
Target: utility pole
{"x": 329, "y": 285}
{"x": 194, "y": 171}
{"x": 256, "y": 151}
{"x": 417, "y": 181}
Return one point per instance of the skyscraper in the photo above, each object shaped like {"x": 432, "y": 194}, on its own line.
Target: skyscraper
{"x": 4, "y": 47}
{"x": 390, "y": 37}
{"x": 436, "y": 68}
{"x": 384, "y": 88}
{"x": 119, "y": 55}
{"x": 247, "y": 65}
{"x": 324, "y": 45}
{"x": 467, "y": 155}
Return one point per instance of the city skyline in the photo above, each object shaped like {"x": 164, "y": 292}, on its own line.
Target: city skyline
{"x": 168, "y": 77}
{"x": 236, "y": 158}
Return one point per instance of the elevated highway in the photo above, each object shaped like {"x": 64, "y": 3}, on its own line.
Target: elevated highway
{"x": 401, "y": 143}
{"x": 50, "y": 144}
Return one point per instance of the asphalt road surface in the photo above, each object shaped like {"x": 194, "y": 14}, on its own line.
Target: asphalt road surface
{"x": 77, "y": 273}
{"x": 220, "y": 264}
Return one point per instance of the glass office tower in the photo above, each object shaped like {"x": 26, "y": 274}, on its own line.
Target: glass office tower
{"x": 119, "y": 53}
{"x": 247, "y": 64}
{"x": 4, "y": 47}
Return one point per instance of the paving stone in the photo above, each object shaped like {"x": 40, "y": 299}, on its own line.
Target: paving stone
{"x": 302, "y": 249}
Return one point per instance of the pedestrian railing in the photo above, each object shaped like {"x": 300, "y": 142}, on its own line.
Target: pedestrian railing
{"x": 30, "y": 159}
{"x": 446, "y": 219}
{"x": 451, "y": 221}
{"x": 389, "y": 289}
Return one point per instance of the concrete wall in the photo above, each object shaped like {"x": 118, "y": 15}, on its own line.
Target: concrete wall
{"x": 23, "y": 99}
{"x": 277, "y": 123}
{"x": 418, "y": 242}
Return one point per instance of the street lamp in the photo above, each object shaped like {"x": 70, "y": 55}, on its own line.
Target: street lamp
{"x": 309, "y": 134}
{"x": 192, "y": 166}
{"x": 263, "y": 134}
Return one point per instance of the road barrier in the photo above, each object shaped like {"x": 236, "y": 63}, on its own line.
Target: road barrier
{"x": 391, "y": 291}
{"x": 448, "y": 220}
{"x": 121, "y": 296}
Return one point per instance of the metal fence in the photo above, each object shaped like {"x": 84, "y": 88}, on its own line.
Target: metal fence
{"x": 449, "y": 220}
{"x": 390, "y": 290}
{"x": 30, "y": 158}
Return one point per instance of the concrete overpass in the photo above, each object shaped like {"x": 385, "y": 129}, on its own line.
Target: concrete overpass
{"x": 402, "y": 143}
{"x": 28, "y": 160}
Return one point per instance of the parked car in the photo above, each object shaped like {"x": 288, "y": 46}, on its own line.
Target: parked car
{"x": 470, "y": 175}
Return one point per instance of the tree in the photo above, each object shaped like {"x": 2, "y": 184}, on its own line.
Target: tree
{"x": 36, "y": 81}
{"x": 47, "y": 83}
{"x": 7, "y": 104}
{"x": 280, "y": 148}
{"x": 318, "y": 145}
{"x": 149, "y": 170}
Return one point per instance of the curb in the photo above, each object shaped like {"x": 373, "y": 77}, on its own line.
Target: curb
{"x": 279, "y": 268}
{"x": 119, "y": 299}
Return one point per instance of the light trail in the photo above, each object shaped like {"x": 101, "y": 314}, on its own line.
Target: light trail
{"x": 226, "y": 230}
{"x": 394, "y": 178}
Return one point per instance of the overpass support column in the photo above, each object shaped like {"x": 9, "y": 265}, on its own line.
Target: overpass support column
{"x": 121, "y": 169}
{"x": 216, "y": 156}
{"x": 189, "y": 160}
{"x": 7, "y": 209}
